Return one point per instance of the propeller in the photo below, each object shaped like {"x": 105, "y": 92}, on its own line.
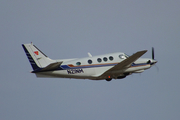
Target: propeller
{"x": 153, "y": 53}
{"x": 153, "y": 61}
{"x": 153, "y": 56}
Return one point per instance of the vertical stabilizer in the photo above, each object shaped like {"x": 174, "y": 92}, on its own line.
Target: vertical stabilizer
{"x": 36, "y": 58}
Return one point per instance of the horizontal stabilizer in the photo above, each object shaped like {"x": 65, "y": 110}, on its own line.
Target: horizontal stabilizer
{"x": 50, "y": 67}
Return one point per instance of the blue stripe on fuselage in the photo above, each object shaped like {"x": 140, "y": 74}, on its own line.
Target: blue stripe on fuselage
{"x": 98, "y": 65}
{"x": 66, "y": 67}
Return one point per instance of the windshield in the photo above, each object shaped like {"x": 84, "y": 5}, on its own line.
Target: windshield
{"x": 126, "y": 55}
{"x": 123, "y": 56}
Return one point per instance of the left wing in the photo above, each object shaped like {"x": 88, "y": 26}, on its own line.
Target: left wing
{"x": 124, "y": 64}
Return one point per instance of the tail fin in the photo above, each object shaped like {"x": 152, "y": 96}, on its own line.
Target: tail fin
{"x": 36, "y": 58}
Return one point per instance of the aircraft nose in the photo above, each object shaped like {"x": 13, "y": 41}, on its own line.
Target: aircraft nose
{"x": 153, "y": 62}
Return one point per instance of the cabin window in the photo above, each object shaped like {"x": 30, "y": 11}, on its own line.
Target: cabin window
{"x": 90, "y": 61}
{"x": 105, "y": 59}
{"x": 78, "y": 63}
{"x": 111, "y": 58}
{"x": 99, "y": 60}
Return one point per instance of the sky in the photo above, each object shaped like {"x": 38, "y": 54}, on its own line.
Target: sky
{"x": 65, "y": 29}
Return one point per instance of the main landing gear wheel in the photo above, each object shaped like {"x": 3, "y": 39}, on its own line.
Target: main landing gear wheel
{"x": 109, "y": 79}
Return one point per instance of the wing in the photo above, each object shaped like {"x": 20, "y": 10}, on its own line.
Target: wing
{"x": 124, "y": 64}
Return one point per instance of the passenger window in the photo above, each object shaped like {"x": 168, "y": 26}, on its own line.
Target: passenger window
{"x": 99, "y": 60}
{"x": 111, "y": 58}
{"x": 90, "y": 61}
{"x": 105, "y": 59}
{"x": 78, "y": 63}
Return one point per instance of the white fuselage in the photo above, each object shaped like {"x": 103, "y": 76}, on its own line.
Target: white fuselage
{"x": 108, "y": 66}
{"x": 88, "y": 70}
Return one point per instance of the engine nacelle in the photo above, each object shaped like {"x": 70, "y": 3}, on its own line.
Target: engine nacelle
{"x": 121, "y": 77}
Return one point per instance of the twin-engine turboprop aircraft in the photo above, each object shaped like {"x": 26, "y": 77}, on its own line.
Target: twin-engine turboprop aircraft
{"x": 108, "y": 66}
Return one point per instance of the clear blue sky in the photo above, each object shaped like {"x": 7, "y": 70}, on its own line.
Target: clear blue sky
{"x": 70, "y": 29}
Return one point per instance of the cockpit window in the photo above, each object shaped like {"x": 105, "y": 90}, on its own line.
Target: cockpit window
{"x": 122, "y": 56}
{"x": 126, "y": 55}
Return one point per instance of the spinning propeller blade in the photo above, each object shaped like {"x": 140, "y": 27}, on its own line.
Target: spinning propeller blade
{"x": 153, "y": 53}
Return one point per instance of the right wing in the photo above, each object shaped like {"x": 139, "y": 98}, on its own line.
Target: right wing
{"x": 122, "y": 65}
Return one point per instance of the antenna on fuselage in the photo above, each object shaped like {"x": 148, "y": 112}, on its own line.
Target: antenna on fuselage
{"x": 89, "y": 54}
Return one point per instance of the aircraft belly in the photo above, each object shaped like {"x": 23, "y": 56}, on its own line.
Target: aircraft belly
{"x": 85, "y": 73}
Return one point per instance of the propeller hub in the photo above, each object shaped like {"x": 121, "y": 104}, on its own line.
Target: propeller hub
{"x": 151, "y": 62}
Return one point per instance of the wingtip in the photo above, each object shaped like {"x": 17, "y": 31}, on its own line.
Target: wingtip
{"x": 143, "y": 51}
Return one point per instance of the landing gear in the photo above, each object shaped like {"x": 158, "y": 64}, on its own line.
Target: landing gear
{"x": 108, "y": 79}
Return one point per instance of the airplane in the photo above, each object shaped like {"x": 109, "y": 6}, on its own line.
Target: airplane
{"x": 102, "y": 67}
